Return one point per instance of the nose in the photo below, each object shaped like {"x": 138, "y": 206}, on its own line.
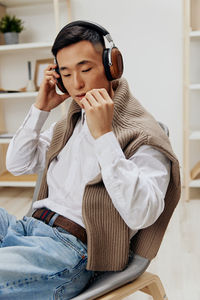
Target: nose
{"x": 78, "y": 81}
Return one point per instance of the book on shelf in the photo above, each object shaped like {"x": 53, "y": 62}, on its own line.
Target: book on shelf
{"x": 8, "y": 91}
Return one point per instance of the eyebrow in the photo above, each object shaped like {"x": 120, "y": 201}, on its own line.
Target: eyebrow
{"x": 82, "y": 62}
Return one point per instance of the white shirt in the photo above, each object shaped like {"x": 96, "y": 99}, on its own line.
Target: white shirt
{"x": 137, "y": 186}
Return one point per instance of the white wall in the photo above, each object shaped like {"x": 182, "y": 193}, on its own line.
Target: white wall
{"x": 149, "y": 35}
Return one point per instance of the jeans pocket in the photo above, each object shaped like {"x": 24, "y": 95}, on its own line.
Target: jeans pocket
{"x": 72, "y": 288}
{"x": 71, "y": 241}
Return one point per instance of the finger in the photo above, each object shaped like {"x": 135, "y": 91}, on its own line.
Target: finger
{"x": 91, "y": 99}
{"x": 86, "y": 105}
{"x": 50, "y": 79}
{"x": 52, "y": 83}
{"x": 98, "y": 96}
{"x": 53, "y": 73}
{"x": 51, "y": 66}
{"x": 105, "y": 95}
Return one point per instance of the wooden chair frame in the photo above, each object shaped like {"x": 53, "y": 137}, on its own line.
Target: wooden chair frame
{"x": 147, "y": 283}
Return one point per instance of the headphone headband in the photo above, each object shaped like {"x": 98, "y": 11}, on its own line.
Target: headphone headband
{"x": 92, "y": 25}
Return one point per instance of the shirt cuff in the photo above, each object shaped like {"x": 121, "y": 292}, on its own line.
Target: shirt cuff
{"x": 35, "y": 118}
{"x": 107, "y": 149}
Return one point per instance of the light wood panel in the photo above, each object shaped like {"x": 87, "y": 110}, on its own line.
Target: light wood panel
{"x": 7, "y": 179}
{"x": 16, "y": 200}
{"x": 6, "y": 176}
{"x": 3, "y": 150}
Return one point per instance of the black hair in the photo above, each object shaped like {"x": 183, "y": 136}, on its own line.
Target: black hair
{"x": 73, "y": 34}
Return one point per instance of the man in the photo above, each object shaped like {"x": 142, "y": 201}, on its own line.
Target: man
{"x": 104, "y": 177}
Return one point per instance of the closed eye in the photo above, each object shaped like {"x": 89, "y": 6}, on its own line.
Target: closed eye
{"x": 67, "y": 75}
{"x": 87, "y": 70}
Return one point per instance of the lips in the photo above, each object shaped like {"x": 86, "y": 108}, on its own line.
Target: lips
{"x": 80, "y": 96}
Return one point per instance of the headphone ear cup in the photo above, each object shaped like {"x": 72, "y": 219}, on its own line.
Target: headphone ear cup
{"x": 106, "y": 64}
{"x": 116, "y": 69}
{"x": 61, "y": 85}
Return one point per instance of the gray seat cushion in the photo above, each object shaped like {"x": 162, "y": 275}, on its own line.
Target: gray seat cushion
{"x": 109, "y": 281}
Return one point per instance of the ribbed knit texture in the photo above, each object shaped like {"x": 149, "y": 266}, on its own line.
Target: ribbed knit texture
{"x": 107, "y": 233}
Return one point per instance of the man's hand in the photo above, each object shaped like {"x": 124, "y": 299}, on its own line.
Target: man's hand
{"x": 47, "y": 98}
{"x": 99, "y": 109}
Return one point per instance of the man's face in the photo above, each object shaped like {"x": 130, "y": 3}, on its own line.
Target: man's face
{"x": 81, "y": 69}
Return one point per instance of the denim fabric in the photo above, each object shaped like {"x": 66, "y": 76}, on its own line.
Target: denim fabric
{"x": 39, "y": 262}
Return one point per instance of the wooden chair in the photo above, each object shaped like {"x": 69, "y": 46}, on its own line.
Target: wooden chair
{"x": 118, "y": 285}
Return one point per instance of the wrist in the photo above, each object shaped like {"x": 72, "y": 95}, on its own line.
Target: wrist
{"x": 40, "y": 107}
{"x": 98, "y": 135}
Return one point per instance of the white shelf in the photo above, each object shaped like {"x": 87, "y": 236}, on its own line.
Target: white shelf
{"x": 195, "y": 183}
{"x": 18, "y": 95}
{"x": 195, "y": 86}
{"x": 195, "y": 135}
{"x": 5, "y": 140}
{"x": 15, "y": 3}
{"x": 195, "y": 33}
{"x": 18, "y": 183}
{"x": 4, "y": 49}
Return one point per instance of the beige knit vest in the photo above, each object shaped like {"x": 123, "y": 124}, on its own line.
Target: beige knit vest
{"x": 107, "y": 234}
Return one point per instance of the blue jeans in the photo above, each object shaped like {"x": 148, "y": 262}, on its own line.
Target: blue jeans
{"x": 40, "y": 262}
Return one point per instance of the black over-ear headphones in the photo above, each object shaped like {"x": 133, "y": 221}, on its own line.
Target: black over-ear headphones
{"x": 112, "y": 57}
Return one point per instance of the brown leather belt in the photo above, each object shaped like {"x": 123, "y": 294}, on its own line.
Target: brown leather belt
{"x": 75, "y": 229}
